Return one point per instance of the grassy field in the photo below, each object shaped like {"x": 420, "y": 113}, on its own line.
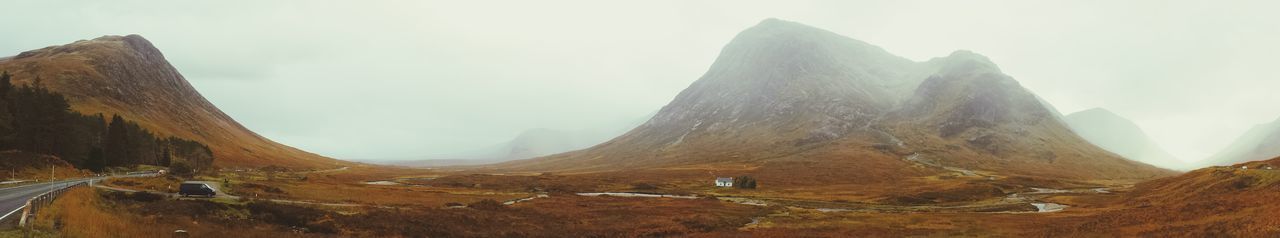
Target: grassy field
{"x": 415, "y": 202}
{"x": 87, "y": 213}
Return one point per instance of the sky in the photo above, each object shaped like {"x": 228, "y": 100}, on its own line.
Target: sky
{"x": 413, "y": 79}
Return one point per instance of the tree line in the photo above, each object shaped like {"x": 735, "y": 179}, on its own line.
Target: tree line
{"x": 35, "y": 119}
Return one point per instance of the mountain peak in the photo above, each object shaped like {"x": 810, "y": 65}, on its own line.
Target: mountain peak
{"x": 780, "y": 36}
{"x": 776, "y": 21}
{"x": 128, "y": 76}
{"x": 781, "y": 89}
{"x": 774, "y": 24}
{"x": 132, "y": 44}
{"x": 965, "y": 61}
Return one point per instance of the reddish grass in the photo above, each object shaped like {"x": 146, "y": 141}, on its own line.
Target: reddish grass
{"x": 31, "y": 166}
{"x": 83, "y": 212}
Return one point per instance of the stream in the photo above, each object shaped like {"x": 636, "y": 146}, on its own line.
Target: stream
{"x": 513, "y": 202}
{"x": 1049, "y": 207}
{"x": 382, "y": 182}
{"x": 640, "y": 195}
{"x": 1016, "y": 198}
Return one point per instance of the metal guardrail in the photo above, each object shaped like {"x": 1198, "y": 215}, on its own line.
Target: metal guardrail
{"x": 35, "y": 204}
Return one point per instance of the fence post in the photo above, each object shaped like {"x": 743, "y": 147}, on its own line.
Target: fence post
{"x": 25, "y": 211}
{"x": 34, "y": 205}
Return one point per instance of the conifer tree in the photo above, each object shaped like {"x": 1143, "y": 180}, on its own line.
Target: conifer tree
{"x": 96, "y": 162}
{"x": 115, "y": 143}
{"x": 166, "y": 159}
{"x": 6, "y": 117}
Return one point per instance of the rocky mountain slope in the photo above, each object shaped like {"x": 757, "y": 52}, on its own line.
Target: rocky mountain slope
{"x": 1121, "y": 136}
{"x": 786, "y": 91}
{"x": 128, "y": 76}
{"x": 1259, "y": 143}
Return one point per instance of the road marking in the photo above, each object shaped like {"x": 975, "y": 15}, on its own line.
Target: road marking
{"x": 23, "y": 186}
{"x": 6, "y": 215}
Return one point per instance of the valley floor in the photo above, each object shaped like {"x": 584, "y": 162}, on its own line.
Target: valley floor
{"x": 368, "y": 201}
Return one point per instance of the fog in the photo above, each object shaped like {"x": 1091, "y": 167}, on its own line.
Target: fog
{"x": 407, "y": 79}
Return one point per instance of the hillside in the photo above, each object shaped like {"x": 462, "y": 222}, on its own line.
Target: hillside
{"x": 1208, "y": 202}
{"x": 1260, "y": 142}
{"x": 784, "y": 91}
{"x": 1121, "y": 136}
{"x": 23, "y": 166}
{"x": 128, "y": 76}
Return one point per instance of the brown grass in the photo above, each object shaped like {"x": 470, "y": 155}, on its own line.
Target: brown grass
{"x": 83, "y": 212}
{"x": 166, "y": 184}
{"x": 1234, "y": 204}
{"x": 31, "y": 166}
{"x": 347, "y": 186}
{"x": 78, "y": 209}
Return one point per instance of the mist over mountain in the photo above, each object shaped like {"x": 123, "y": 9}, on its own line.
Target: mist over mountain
{"x": 639, "y": 119}
{"x": 1261, "y": 142}
{"x": 1121, "y": 136}
{"x": 780, "y": 89}
{"x": 528, "y": 144}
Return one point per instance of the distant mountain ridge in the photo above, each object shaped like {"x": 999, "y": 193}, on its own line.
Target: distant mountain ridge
{"x": 128, "y": 76}
{"x": 784, "y": 91}
{"x": 1258, "y": 143}
{"x": 528, "y": 144}
{"x": 1121, "y": 136}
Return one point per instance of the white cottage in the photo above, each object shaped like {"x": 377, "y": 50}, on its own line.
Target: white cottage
{"x": 724, "y": 182}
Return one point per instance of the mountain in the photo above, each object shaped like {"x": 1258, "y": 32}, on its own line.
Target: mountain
{"x": 1260, "y": 142}
{"x": 969, "y": 113}
{"x": 784, "y": 91}
{"x": 1121, "y": 136}
{"x": 128, "y": 76}
{"x": 1207, "y": 202}
{"x": 528, "y": 144}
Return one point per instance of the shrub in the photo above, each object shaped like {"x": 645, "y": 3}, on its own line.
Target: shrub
{"x": 264, "y": 188}
{"x": 487, "y": 204}
{"x": 145, "y": 196}
{"x": 124, "y": 183}
{"x": 745, "y": 182}
{"x": 644, "y": 186}
{"x": 291, "y": 215}
{"x": 189, "y": 208}
{"x": 182, "y": 169}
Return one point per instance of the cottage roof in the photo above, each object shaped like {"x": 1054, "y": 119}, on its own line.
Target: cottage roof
{"x": 724, "y": 179}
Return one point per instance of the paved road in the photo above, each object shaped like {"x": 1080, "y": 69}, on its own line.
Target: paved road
{"x": 13, "y": 199}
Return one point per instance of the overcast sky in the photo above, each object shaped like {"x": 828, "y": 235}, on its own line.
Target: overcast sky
{"x": 400, "y": 79}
